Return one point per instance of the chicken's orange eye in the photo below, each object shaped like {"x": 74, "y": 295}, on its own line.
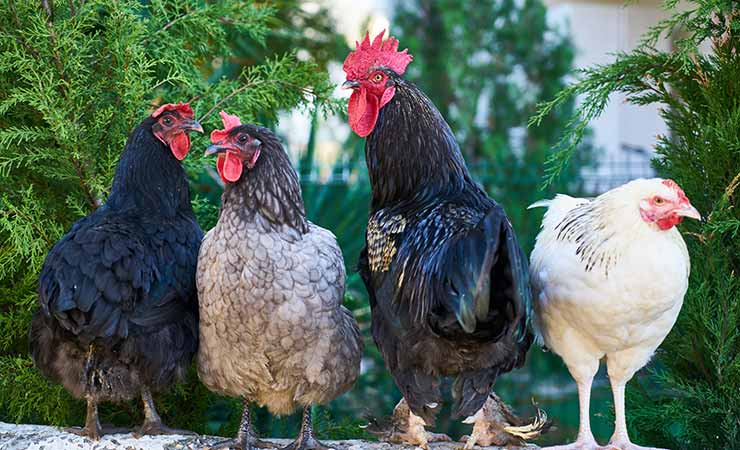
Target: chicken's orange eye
{"x": 377, "y": 78}
{"x": 659, "y": 201}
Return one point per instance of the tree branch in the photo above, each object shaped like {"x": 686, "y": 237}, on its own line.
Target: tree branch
{"x": 18, "y": 25}
{"x": 224, "y": 100}
{"x": 245, "y": 87}
{"x": 91, "y": 200}
{"x": 48, "y": 6}
{"x": 167, "y": 26}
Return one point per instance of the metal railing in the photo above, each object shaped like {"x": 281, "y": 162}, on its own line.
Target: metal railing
{"x": 608, "y": 174}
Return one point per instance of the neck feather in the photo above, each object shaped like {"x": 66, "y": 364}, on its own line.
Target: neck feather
{"x": 149, "y": 177}
{"x": 412, "y": 153}
{"x": 603, "y": 228}
{"x": 270, "y": 189}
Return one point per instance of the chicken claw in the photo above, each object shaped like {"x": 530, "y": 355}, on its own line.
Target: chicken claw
{"x": 240, "y": 443}
{"x": 94, "y": 433}
{"x": 306, "y": 439}
{"x": 245, "y": 438}
{"x": 92, "y": 429}
{"x": 152, "y": 422}
{"x": 627, "y": 445}
{"x": 496, "y": 424}
{"x": 581, "y": 444}
{"x": 406, "y": 427}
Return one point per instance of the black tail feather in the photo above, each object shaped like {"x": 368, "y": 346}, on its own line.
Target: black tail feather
{"x": 470, "y": 391}
{"x": 421, "y": 392}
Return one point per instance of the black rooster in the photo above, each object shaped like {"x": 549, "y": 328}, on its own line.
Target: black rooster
{"x": 119, "y": 311}
{"x": 448, "y": 282}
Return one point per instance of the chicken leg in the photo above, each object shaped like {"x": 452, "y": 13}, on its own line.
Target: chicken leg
{"x": 306, "y": 439}
{"x": 152, "y": 422}
{"x": 92, "y": 428}
{"x": 584, "y": 376}
{"x": 245, "y": 439}
{"x": 496, "y": 424}
{"x": 408, "y": 428}
{"x": 621, "y": 367}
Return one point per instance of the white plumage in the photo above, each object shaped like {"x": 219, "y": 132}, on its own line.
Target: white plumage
{"x": 609, "y": 276}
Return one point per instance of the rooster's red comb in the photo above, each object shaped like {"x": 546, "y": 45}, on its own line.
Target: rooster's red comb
{"x": 376, "y": 54}
{"x": 230, "y": 121}
{"x": 182, "y": 108}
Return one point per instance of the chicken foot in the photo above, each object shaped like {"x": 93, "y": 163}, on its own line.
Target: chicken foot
{"x": 496, "y": 424}
{"x": 245, "y": 438}
{"x": 92, "y": 429}
{"x": 306, "y": 439}
{"x": 585, "y": 440}
{"x": 620, "y": 440}
{"x": 408, "y": 428}
{"x": 152, "y": 422}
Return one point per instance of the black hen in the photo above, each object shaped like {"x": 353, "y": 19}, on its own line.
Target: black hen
{"x": 119, "y": 312}
{"x": 448, "y": 282}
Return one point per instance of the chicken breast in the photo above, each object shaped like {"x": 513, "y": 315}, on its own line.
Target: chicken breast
{"x": 272, "y": 327}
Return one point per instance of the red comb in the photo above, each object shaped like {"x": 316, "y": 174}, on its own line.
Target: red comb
{"x": 183, "y": 108}
{"x": 230, "y": 121}
{"x": 376, "y": 54}
{"x": 673, "y": 185}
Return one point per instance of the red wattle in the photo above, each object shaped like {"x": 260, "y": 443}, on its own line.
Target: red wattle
{"x": 666, "y": 223}
{"x": 363, "y": 112}
{"x": 180, "y": 145}
{"x": 229, "y": 167}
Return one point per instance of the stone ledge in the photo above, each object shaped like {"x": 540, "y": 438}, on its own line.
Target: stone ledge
{"x": 40, "y": 437}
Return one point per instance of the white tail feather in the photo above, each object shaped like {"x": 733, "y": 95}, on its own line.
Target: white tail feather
{"x": 531, "y": 430}
{"x": 540, "y": 204}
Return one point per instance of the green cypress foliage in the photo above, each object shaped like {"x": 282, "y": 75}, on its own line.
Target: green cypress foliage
{"x": 75, "y": 78}
{"x": 691, "y": 400}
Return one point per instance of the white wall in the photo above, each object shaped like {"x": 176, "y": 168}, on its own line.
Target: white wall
{"x": 600, "y": 29}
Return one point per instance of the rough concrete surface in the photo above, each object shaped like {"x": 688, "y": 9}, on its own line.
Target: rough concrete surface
{"x": 39, "y": 437}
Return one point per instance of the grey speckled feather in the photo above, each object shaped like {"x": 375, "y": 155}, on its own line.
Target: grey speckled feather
{"x": 270, "y": 286}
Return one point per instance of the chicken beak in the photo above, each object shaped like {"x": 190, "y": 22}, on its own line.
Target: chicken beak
{"x": 689, "y": 211}
{"x": 350, "y": 84}
{"x": 192, "y": 125}
{"x": 215, "y": 148}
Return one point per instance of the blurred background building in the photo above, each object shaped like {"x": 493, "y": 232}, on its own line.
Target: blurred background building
{"x": 624, "y": 135}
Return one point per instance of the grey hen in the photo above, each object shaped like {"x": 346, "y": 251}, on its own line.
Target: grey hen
{"x": 270, "y": 284}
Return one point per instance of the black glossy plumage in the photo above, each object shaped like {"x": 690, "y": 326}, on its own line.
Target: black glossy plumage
{"x": 118, "y": 305}
{"x": 448, "y": 282}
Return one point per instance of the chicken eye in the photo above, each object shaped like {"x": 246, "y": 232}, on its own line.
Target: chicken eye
{"x": 658, "y": 201}
{"x": 167, "y": 121}
{"x": 242, "y": 138}
{"x": 377, "y": 78}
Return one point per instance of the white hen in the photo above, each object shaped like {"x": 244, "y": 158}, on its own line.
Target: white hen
{"x": 609, "y": 275}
